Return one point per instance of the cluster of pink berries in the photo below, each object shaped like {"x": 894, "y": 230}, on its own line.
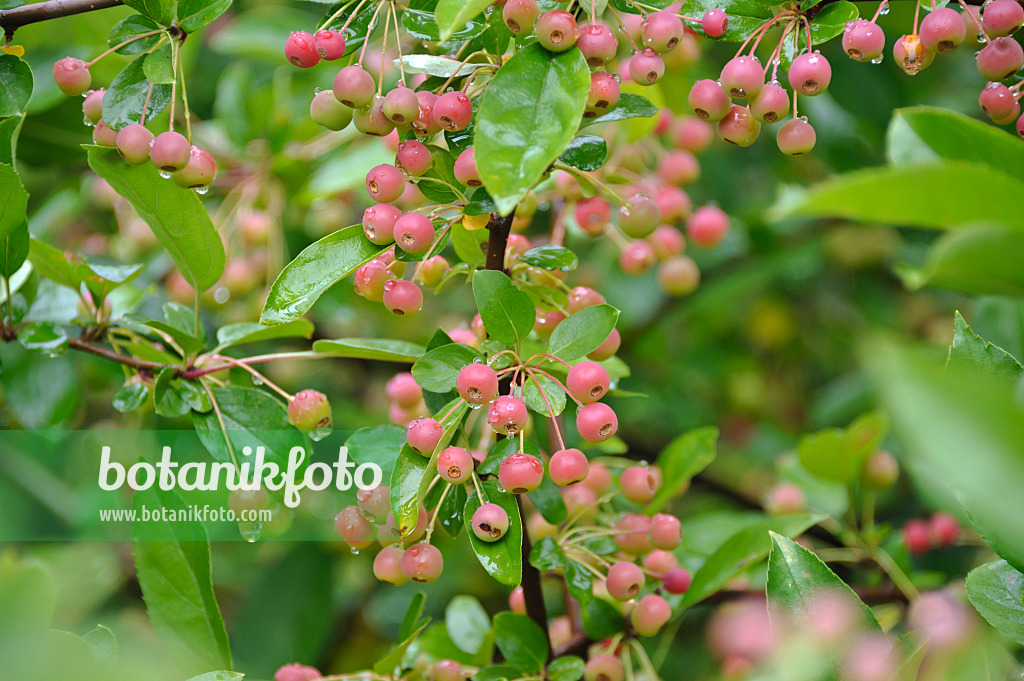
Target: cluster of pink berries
{"x": 921, "y": 536}
{"x": 171, "y": 152}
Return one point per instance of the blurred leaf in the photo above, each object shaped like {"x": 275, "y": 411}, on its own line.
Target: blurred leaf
{"x": 566, "y": 668}
{"x": 437, "y": 370}
{"x": 252, "y": 418}
{"x": 381, "y": 349}
{"x": 451, "y": 15}
{"x": 521, "y": 641}
{"x": 956, "y": 137}
{"x": 195, "y": 14}
{"x": 166, "y": 398}
{"x": 46, "y": 338}
{"x": 500, "y": 672}
{"x": 413, "y": 615}
{"x": 158, "y": 10}
{"x": 15, "y": 85}
{"x": 995, "y": 590}
{"x": 218, "y": 676}
{"x": 502, "y": 559}
{"x": 48, "y": 389}
{"x": 970, "y": 349}
{"x": 390, "y": 663}
{"x": 53, "y": 264}
{"x": 13, "y": 201}
{"x": 14, "y": 250}
{"x": 581, "y": 333}
{"x": 628, "y": 106}
{"x": 131, "y": 397}
{"x": 129, "y": 27}
{"x": 467, "y": 623}
{"x": 27, "y": 596}
{"x": 586, "y": 152}
{"x": 981, "y": 260}
{"x": 839, "y": 454}
{"x": 507, "y": 313}
{"x": 248, "y": 332}
{"x": 103, "y": 643}
{"x": 528, "y": 115}
{"x": 128, "y": 93}
{"x": 551, "y": 257}
{"x": 683, "y": 458}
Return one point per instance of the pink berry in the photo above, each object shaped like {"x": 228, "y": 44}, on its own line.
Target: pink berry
{"x": 330, "y": 45}
{"x": 297, "y": 672}
{"x": 72, "y": 76}
{"x": 739, "y": 127}
{"x": 659, "y": 561}
{"x": 662, "y": 31}
{"x": 1002, "y": 18}
{"x": 300, "y": 49}
{"x": 369, "y": 280}
{"x": 771, "y": 104}
{"x": 593, "y": 215}
{"x": 665, "y": 532}
{"x": 667, "y": 241}
{"x": 309, "y": 410}
{"x": 943, "y": 30}
{"x": 490, "y": 522}
{"x": 414, "y": 232}
{"x": 604, "y": 94}
{"x": 1020, "y": 127}
{"x": 1000, "y": 59}
{"x": 596, "y": 422}
{"x": 707, "y": 226}
{"x": 354, "y": 528}
{"x": 170, "y": 151}
{"x": 371, "y": 120}
{"x": 326, "y": 110}
{"x": 863, "y": 40}
{"x": 646, "y": 67}
{"x": 455, "y": 465}
{"x": 599, "y": 479}
{"x": 385, "y": 183}
{"x": 597, "y": 44}
{"x": 401, "y": 105}
{"x": 424, "y": 124}
{"x": 433, "y": 271}
{"x": 580, "y": 501}
{"x": 693, "y": 134}
{"x": 677, "y": 580}
{"x": 678, "y": 167}
{"x": 881, "y": 470}
{"x": 517, "y": 601}
{"x": 507, "y": 415}
{"x": 650, "y": 615}
{"x": 354, "y": 86}
{"x": 673, "y": 203}
{"x": 715, "y": 23}
{"x": 911, "y": 54}
{"x": 379, "y": 223}
{"x": 387, "y": 566}
{"x": 796, "y": 137}
{"x": 375, "y": 503}
{"x": 587, "y": 382}
{"x": 465, "y": 169}
{"x": 917, "y": 536}
{"x": 810, "y": 74}
{"x": 785, "y": 498}
{"x": 92, "y": 105}
{"x": 453, "y": 111}
{"x": 520, "y": 473}
{"x": 477, "y": 383}
{"x": 103, "y": 135}
{"x": 633, "y": 528}
{"x": 414, "y": 157}
{"x": 402, "y": 297}
{"x": 390, "y": 533}
{"x": 998, "y": 101}
{"x": 447, "y": 670}
{"x": 520, "y": 15}
{"x": 625, "y": 580}
{"x": 638, "y": 484}
{"x": 944, "y": 529}
{"x": 742, "y": 77}
{"x": 556, "y": 30}
{"x": 198, "y": 172}
{"x": 637, "y": 257}
{"x": 608, "y": 348}
{"x": 423, "y": 435}
{"x": 604, "y": 668}
{"x": 422, "y": 563}
{"x": 679, "y": 276}
{"x": 581, "y": 297}
{"x": 708, "y": 101}
{"x": 133, "y": 142}
{"x": 568, "y": 466}
{"x": 638, "y": 216}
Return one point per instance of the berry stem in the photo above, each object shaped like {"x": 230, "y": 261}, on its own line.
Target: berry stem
{"x": 974, "y": 18}
{"x": 398, "y": 44}
{"x": 384, "y": 46}
{"x": 115, "y": 48}
{"x": 220, "y": 420}
{"x": 551, "y": 412}
{"x": 341, "y": 10}
{"x": 437, "y": 509}
{"x": 257, "y": 375}
{"x": 145, "y": 108}
{"x": 590, "y": 178}
{"x": 184, "y": 98}
{"x": 369, "y": 31}
{"x": 622, "y": 27}
{"x": 532, "y": 594}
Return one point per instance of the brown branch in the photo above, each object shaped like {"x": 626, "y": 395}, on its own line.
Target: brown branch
{"x": 106, "y": 353}
{"x": 12, "y": 19}
{"x": 532, "y": 593}
{"x": 499, "y": 227}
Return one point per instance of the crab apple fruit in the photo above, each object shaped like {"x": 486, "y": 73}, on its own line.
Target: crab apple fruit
{"x": 300, "y": 49}
{"x": 715, "y": 22}
{"x": 330, "y": 45}
{"x": 401, "y": 106}
{"x": 371, "y": 120}
{"x": 604, "y": 94}
{"x": 520, "y": 473}
{"x": 326, "y": 110}
{"x": 92, "y": 105}
{"x": 785, "y": 498}
{"x": 546, "y": 322}
{"x": 1000, "y": 59}
{"x": 490, "y": 522}
{"x": 453, "y": 111}
{"x": 580, "y": 501}
{"x": 944, "y": 529}
{"x": 650, "y": 615}
{"x": 354, "y": 528}
{"x": 771, "y": 104}
{"x": 520, "y": 15}
{"x": 465, "y": 169}
{"x": 403, "y": 390}
{"x": 677, "y": 580}
{"x": 593, "y": 215}
{"x": 568, "y": 466}
{"x": 679, "y": 276}
{"x": 667, "y": 241}
{"x": 413, "y": 157}
{"x": 375, "y": 503}
{"x": 795, "y": 137}
{"x": 943, "y": 30}
{"x": 708, "y": 101}
{"x": 863, "y": 40}
{"x": 389, "y": 533}
{"x": 880, "y": 470}
{"x": 917, "y": 536}
{"x": 911, "y": 54}
{"x": 1010, "y": 118}
{"x": 646, "y": 67}
{"x": 517, "y": 601}
{"x": 454, "y": 465}
{"x": 596, "y": 422}
{"x": 385, "y": 183}
{"x": 678, "y": 167}
{"x": 423, "y": 435}
{"x": 632, "y": 537}
{"x": 604, "y": 668}
{"x": 1002, "y": 17}
{"x": 665, "y": 532}
{"x": 693, "y": 134}
{"x": 625, "y": 580}
{"x": 598, "y": 479}
{"x": 739, "y": 127}
{"x": 432, "y": 272}
{"x": 354, "y": 86}
{"x": 379, "y": 223}
{"x": 637, "y": 257}
{"x": 662, "y": 31}
{"x": 297, "y": 672}
{"x": 660, "y": 561}
{"x": 369, "y": 280}
{"x": 810, "y": 74}
{"x": 742, "y": 77}
{"x": 170, "y": 151}
{"x": 639, "y": 216}
{"x": 556, "y": 30}
{"x": 387, "y": 566}
{"x": 638, "y": 484}
{"x": 707, "y": 226}
{"x": 132, "y": 142}
{"x": 103, "y": 135}
{"x": 447, "y": 670}
{"x": 608, "y": 348}
{"x": 309, "y": 410}
{"x": 587, "y": 382}
{"x": 997, "y": 101}
{"x": 477, "y": 383}
{"x": 424, "y": 123}
{"x": 414, "y": 233}
{"x": 597, "y": 44}
{"x": 673, "y": 203}
{"x": 72, "y": 76}
{"x": 198, "y": 172}
{"x": 422, "y": 563}
{"x": 507, "y": 415}
{"x": 581, "y": 297}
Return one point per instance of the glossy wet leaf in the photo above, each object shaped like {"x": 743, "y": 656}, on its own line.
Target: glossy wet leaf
{"x": 831, "y": 20}
{"x": 467, "y": 623}
{"x": 566, "y": 668}
{"x": 551, "y": 257}
{"x": 167, "y": 401}
{"x": 14, "y": 250}
{"x": 629, "y": 106}
{"x": 995, "y": 591}
{"x": 581, "y": 333}
{"x": 15, "y": 85}
{"x": 129, "y": 92}
{"x": 501, "y": 559}
{"x": 507, "y": 313}
{"x": 586, "y": 152}
{"x": 249, "y": 332}
{"x": 437, "y": 370}
{"x": 44, "y": 337}
{"x": 158, "y": 67}
{"x": 683, "y": 458}
{"x": 253, "y": 418}
{"x": 452, "y": 15}
{"x": 432, "y": 65}
{"x": 542, "y": 395}
{"x": 13, "y": 200}
{"x": 381, "y": 349}
{"x": 521, "y": 641}
{"x": 133, "y": 25}
{"x": 195, "y": 14}
{"x": 158, "y": 10}
{"x": 131, "y": 397}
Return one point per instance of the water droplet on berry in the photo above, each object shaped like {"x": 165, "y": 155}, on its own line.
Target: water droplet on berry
{"x": 202, "y": 190}
{"x": 317, "y": 91}
{"x": 166, "y": 174}
{"x": 318, "y": 434}
{"x": 877, "y": 60}
{"x": 353, "y": 550}
{"x": 86, "y": 121}
{"x": 884, "y": 9}
{"x": 250, "y": 530}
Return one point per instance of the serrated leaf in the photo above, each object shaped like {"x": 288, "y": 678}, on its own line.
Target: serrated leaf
{"x": 129, "y": 92}
{"x": 970, "y": 349}
{"x": 995, "y": 591}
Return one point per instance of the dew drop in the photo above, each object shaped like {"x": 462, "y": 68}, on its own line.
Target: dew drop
{"x": 166, "y": 174}
{"x": 86, "y": 121}
{"x": 318, "y": 434}
{"x": 317, "y": 91}
{"x": 256, "y": 380}
{"x": 475, "y": 406}
{"x": 884, "y": 9}
{"x": 878, "y": 59}
{"x": 221, "y": 295}
{"x": 202, "y": 190}
{"x": 353, "y": 550}
{"x": 250, "y": 530}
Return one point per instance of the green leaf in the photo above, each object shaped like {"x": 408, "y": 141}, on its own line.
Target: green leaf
{"x": 318, "y": 267}
{"x": 13, "y": 201}
{"x": 503, "y": 559}
{"x": 995, "y": 591}
{"x": 45, "y": 338}
{"x": 683, "y": 458}
{"x": 586, "y": 152}
{"x": 10, "y": 127}
{"x": 130, "y": 26}
{"x": 566, "y": 668}
{"x": 980, "y": 260}
{"x": 745, "y": 548}
{"x": 381, "y": 349}
{"x": 628, "y": 106}
{"x": 831, "y": 20}
{"x": 437, "y": 370}
{"x": 253, "y": 418}
{"x": 432, "y": 65}
{"x": 450, "y": 514}
{"x": 249, "y": 332}
{"x": 500, "y": 672}
{"x": 467, "y": 623}
{"x": 455, "y": 14}
{"x": 15, "y": 85}
{"x": 14, "y": 250}
{"x": 469, "y": 245}
{"x": 167, "y": 401}
{"x": 161, "y": 11}
{"x": 195, "y": 14}
{"x": 390, "y": 663}
{"x": 529, "y": 114}
{"x": 521, "y": 641}
{"x": 172, "y": 564}
{"x": 218, "y": 676}
{"x": 956, "y": 137}
{"x": 423, "y": 26}
{"x": 413, "y": 615}
{"x": 103, "y": 643}
{"x": 129, "y": 92}
{"x": 507, "y": 313}
{"x": 158, "y": 67}
{"x": 175, "y": 215}
{"x": 970, "y": 349}
{"x": 52, "y": 263}
{"x": 551, "y": 257}
{"x": 838, "y": 453}
{"x": 131, "y": 397}
{"x": 581, "y": 333}
{"x": 796, "y": 576}
{"x": 942, "y": 195}
{"x": 535, "y": 400}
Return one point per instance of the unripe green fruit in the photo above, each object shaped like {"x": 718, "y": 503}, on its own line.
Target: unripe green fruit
{"x": 881, "y": 470}
{"x": 309, "y": 410}
{"x": 326, "y": 110}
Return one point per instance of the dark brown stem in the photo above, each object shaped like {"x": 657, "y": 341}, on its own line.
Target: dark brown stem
{"x": 106, "y": 353}
{"x": 12, "y": 19}
{"x": 499, "y": 227}
{"x": 532, "y": 594}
